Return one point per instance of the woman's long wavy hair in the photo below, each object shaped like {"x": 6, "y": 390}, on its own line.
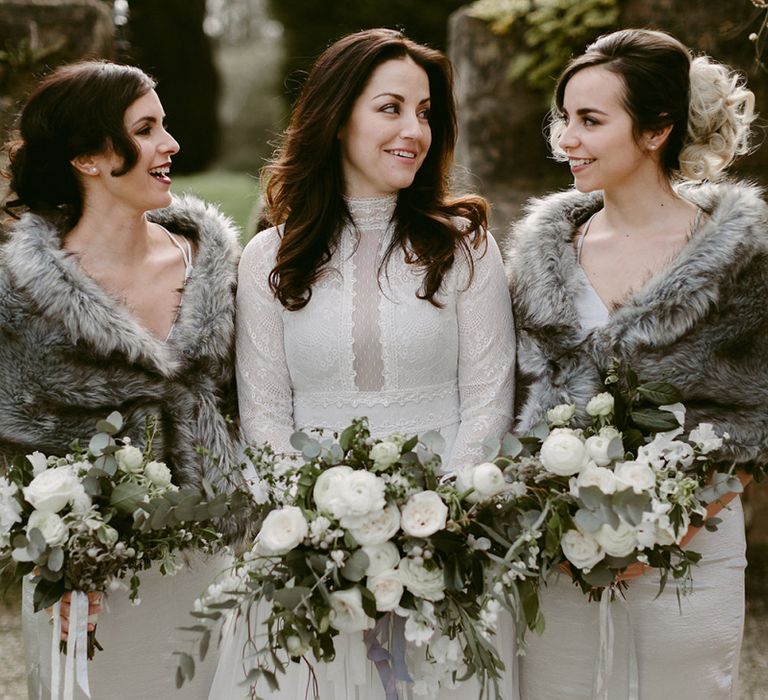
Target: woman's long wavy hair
{"x": 304, "y": 184}
{"x": 78, "y": 109}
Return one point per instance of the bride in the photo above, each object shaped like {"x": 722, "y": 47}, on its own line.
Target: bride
{"x": 374, "y": 294}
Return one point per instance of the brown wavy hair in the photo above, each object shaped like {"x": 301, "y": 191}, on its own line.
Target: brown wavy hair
{"x": 304, "y": 183}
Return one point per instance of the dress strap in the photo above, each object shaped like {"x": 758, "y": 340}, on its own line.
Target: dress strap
{"x": 582, "y": 236}
{"x": 186, "y": 253}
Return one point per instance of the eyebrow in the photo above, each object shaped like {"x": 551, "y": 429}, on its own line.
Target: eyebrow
{"x": 589, "y": 110}
{"x": 151, "y": 120}
{"x": 399, "y": 98}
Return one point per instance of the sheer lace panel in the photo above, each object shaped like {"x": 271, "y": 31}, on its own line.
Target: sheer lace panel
{"x": 371, "y": 217}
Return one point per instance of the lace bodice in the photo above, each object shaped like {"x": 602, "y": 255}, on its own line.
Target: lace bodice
{"x": 365, "y": 345}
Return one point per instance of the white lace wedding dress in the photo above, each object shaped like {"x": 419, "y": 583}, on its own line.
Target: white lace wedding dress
{"x": 365, "y": 345}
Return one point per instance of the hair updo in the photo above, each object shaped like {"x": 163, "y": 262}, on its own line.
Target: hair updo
{"x": 707, "y": 105}
{"x": 76, "y": 110}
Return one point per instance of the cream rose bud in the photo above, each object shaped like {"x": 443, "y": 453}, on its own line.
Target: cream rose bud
{"x": 385, "y": 453}
{"x": 53, "y": 489}
{"x": 422, "y": 582}
{"x": 158, "y": 473}
{"x": 600, "y": 405}
{"x": 563, "y": 453}
{"x": 618, "y": 542}
{"x": 463, "y": 482}
{"x": 387, "y": 589}
{"x": 635, "y": 475}
{"x": 38, "y": 461}
{"x": 488, "y": 480}
{"x": 347, "y": 614}
{"x": 424, "y": 514}
{"x": 581, "y": 549}
{"x": 601, "y": 477}
{"x": 50, "y": 525}
{"x": 609, "y": 432}
{"x": 378, "y": 528}
{"x": 597, "y": 449}
{"x": 381, "y": 557}
{"x": 283, "y": 530}
{"x": 325, "y": 491}
{"x": 130, "y": 459}
{"x": 562, "y": 414}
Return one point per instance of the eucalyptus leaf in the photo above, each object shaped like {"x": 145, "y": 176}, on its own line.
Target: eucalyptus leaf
{"x": 660, "y": 393}
{"x": 290, "y": 598}
{"x": 615, "y": 449}
{"x": 631, "y": 505}
{"x": 22, "y": 554}
{"x": 599, "y": 577}
{"x": 491, "y": 447}
{"x": 98, "y": 443}
{"x": 592, "y": 497}
{"x": 433, "y": 441}
{"x": 347, "y": 437}
{"x": 55, "y": 559}
{"x": 511, "y": 446}
{"x": 127, "y": 497}
{"x": 587, "y": 520}
{"x": 37, "y": 542}
{"x": 116, "y": 420}
{"x": 299, "y": 439}
{"x": 159, "y": 515}
{"x": 540, "y": 431}
{"x": 311, "y": 449}
{"x": 47, "y": 593}
{"x": 92, "y": 485}
{"x": 355, "y": 567}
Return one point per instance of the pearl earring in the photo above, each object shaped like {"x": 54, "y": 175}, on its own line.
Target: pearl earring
{"x": 94, "y": 170}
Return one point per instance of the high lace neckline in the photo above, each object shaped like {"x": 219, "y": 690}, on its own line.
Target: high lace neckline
{"x": 371, "y": 213}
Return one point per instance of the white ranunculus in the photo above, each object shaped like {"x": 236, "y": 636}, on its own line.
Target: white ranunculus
{"x": 387, "y": 588}
{"x": 379, "y": 528}
{"x": 51, "y": 526}
{"x": 422, "y": 582}
{"x": 158, "y": 473}
{"x": 359, "y": 495}
{"x": 424, "y": 514}
{"x": 601, "y": 477}
{"x": 618, "y": 542}
{"x": 38, "y": 461}
{"x": 53, "y": 489}
{"x": 130, "y": 459}
{"x": 385, "y": 454}
{"x": 283, "y": 530}
{"x": 581, "y": 549}
{"x": 562, "y": 414}
{"x": 381, "y": 557}
{"x": 347, "y": 614}
{"x": 635, "y": 475}
{"x": 597, "y": 449}
{"x": 325, "y": 489}
{"x": 705, "y": 438}
{"x": 563, "y": 453}
{"x": 10, "y": 508}
{"x": 488, "y": 480}
{"x": 600, "y": 405}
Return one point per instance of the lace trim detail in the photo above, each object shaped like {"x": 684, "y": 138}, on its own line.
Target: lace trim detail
{"x": 354, "y": 399}
{"x": 371, "y": 213}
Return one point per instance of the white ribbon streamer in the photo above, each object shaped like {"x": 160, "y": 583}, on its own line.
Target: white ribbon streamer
{"x": 55, "y": 658}
{"x": 81, "y": 648}
{"x": 69, "y": 663}
{"x": 76, "y": 662}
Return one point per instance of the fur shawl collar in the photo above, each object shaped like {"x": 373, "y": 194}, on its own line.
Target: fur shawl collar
{"x": 70, "y": 353}
{"x": 701, "y": 322}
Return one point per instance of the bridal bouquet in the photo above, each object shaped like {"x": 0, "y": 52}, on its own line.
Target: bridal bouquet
{"x": 364, "y": 536}
{"x": 99, "y": 514}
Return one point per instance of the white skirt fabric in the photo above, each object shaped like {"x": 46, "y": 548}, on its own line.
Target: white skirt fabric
{"x": 686, "y": 650}
{"x": 138, "y": 641}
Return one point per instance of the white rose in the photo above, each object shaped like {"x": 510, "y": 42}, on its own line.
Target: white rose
{"x": 635, "y": 475}
{"x": 381, "y": 557}
{"x": 424, "y": 514}
{"x": 38, "y": 461}
{"x": 10, "y": 508}
{"x": 379, "y": 528}
{"x": 600, "y": 405}
{"x": 563, "y": 453}
{"x": 51, "y": 526}
{"x": 158, "y": 473}
{"x": 130, "y": 459}
{"x": 618, "y": 542}
{"x": 325, "y": 489}
{"x": 387, "y": 588}
{"x": 282, "y": 530}
{"x": 422, "y": 582}
{"x": 81, "y": 501}
{"x": 488, "y": 480}
{"x": 581, "y": 549}
{"x": 359, "y": 495}
{"x": 53, "y": 489}
{"x": 601, "y": 477}
{"x": 562, "y": 414}
{"x": 385, "y": 453}
{"x": 347, "y": 614}
{"x": 705, "y": 438}
{"x": 597, "y": 449}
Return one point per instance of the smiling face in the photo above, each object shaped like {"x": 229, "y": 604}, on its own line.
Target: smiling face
{"x": 598, "y": 135}
{"x": 387, "y": 135}
{"x": 146, "y": 185}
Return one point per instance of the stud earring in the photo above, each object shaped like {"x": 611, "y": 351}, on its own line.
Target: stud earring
{"x": 94, "y": 170}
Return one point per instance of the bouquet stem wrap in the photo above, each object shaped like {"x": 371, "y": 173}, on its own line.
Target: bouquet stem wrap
{"x": 604, "y": 661}
{"x": 76, "y": 660}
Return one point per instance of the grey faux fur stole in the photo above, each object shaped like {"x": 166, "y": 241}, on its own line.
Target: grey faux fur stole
{"x": 701, "y": 323}
{"x": 70, "y": 354}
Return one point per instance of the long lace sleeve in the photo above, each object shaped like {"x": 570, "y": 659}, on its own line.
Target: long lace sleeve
{"x": 486, "y": 356}
{"x": 263, "y": 382}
